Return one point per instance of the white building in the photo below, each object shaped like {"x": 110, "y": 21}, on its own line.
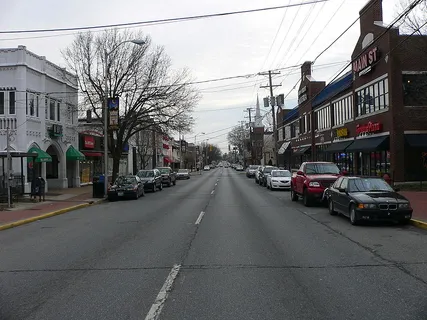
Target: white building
{"x": 38, "y": 103}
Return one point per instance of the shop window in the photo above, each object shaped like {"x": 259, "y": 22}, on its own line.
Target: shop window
{"x": 373, "y": 98}
{"x": 344, "y": 161}
{"x": 343, "y": 110}
{"x": 415, "y": 89}
{"x": 375, "y": 163}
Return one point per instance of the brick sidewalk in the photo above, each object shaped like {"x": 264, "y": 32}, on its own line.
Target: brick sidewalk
{"x": 418, "y": 201}
{"x": 42, "y": 208}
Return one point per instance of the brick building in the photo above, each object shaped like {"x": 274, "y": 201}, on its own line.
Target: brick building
{"x": 373, "y": 119}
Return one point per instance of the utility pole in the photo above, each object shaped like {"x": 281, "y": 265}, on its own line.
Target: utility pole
{"x": 8, "y": 165}
{"x": 154, "y": 158}
{"x": 272, "y": 103}
{"x": 248, "y": 110}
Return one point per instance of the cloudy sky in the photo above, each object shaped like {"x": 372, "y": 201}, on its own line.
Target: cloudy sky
{"x": 213, "y": 48}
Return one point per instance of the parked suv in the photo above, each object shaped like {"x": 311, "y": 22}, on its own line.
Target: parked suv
{"x": 168, "y": 176}
{"x": 312, "y": 179}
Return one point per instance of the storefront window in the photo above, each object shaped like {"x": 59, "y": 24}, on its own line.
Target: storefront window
{"x": 375, "y": 163}
{"x": 344, "y": 161}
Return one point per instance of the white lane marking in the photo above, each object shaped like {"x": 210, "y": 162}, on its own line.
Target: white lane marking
{"x": 212, "y": 191}
{"x": 158, "y": 304}
{"x": 199, "y": 219}
{"x": 216, "y": 184}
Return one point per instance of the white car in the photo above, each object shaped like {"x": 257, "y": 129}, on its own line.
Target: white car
{"x": 279, "y": 179}
{"x": 206, "y": 168}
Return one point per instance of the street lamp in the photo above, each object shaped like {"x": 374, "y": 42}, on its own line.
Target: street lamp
{"x": 195, "y": 151}
{"x": 106, "y": 54}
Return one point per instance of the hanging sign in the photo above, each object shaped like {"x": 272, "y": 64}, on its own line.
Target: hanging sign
{"x": 113, "y": 113}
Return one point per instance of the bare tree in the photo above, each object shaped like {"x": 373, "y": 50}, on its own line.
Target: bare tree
{"x": 416, "y": 21}
{"x": 153, "y": 93}
{"x": 238, "y": 137}
{"x": 144, "y": 147}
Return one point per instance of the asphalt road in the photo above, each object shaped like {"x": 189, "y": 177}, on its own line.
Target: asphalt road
{"x": 216, "y": 246}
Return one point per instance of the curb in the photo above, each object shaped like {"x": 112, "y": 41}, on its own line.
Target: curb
{"x": 418, "y": 223}
{"x": 47, "y": 215}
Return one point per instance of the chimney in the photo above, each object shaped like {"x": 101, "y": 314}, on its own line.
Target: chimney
{"x": 370, "y": 13}
{"x": 305, "y": 69}
{"x": 88, "y": 116}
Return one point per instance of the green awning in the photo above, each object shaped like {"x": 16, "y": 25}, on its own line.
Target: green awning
{"x": 42, "y": 156}
{"x": 74, "y": 154}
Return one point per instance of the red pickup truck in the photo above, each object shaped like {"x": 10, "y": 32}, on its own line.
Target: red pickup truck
{"x": 311, "y": 180}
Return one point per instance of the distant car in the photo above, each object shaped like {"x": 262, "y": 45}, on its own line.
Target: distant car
{"x": 279, "y": 179}
{"x": 183, "y": 174}
{"x": 152, "y": 179}
{"x": 129, "y": 186}
{"x": 206, "y": 168}
{"x": 250, "y": 171}
{"x": 239, "y": 168}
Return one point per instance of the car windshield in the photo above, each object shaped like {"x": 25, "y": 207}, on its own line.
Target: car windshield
{"x": 125, "y": 180}
{"x": 146, "y": 174}
{"x": 281, "y": 173}
{"x": 164, "y": 170}
{"x": 183, "y": 171}
{"x": 253, "y": 167}
{"x": 321, "y": 168}
{"x": 269, "y": 169}
{"x": 368, "y": 185}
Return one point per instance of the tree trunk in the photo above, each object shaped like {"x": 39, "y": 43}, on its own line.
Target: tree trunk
{"x": 116, "y": 165}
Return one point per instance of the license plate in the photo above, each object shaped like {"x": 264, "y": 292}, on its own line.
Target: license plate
{"x": 120, "y": 194}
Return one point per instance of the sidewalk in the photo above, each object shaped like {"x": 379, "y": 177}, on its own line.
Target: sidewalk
{"x": 418, "y": 200}
{"x": 55, "y": 200}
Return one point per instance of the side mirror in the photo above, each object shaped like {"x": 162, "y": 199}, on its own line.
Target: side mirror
{"x": 300, "y": 173}
{"x": 342, "y": 190}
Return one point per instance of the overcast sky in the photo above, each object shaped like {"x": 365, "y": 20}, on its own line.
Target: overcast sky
{"x": 211, "y": 48}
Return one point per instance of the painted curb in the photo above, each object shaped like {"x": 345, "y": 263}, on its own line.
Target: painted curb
{"x": 418, "y": 223}
{"x": 47, "y": 215}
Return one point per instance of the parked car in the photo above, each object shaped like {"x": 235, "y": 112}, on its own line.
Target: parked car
{"x": 152, "y": 179}
{"x": 250, "y": 171}
{"x": 168, "y": 176}
{"x": 183, "y": 174}
{"x": 312, "y": 179}
{"x": 239, "y": 167}
{"x": 129, "y": 186}
{"x": 206, "y": 168}
{"x": 279, "y": 179}
{"x": 265, "y": 172}
{"x": 367, "y": 199}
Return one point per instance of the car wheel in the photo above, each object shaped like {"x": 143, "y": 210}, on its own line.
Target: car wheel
{"x": 161, "y": 187}
{"x": 169, "y": 183}
{"x": 294, "y": 196}
{"x": 306, "y": 199}
{"x": 136, "y": 195}
{"x": 174, "y": 183}
{"x": 271, "y": 187}
{"x": 332, "y": 211}
{"x": 353, "y": 218}
{"x": 268, "y": 186}
{"x": 154, "y": 187}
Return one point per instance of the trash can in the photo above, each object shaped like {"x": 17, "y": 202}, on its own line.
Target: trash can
{"x": 98, "y": 186}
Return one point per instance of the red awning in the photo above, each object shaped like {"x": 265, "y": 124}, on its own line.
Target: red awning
{"x": 167, "y": 160}
{"x": 92, "y": 154}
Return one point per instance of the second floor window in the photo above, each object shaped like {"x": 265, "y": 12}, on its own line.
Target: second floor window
{"x": 343, "y": 110}
{"x": 323, "y": 118}
{"x": 58, "y": 111}
{"x": 373, "y": 98}
{"x": 52, "y": 109}
{"x": 12, "y": 102}
{"x": 2, "y": 95}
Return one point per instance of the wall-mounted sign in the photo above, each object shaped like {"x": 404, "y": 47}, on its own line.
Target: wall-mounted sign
{"x": 55, "y": 131}
{"x": 89, "y": 142}
{"x": 113, "y": 113}
{"x": 370, "y": 127}
{"x": 364, "y": 63}
{"x": 342, "y": 132}
{"x": 302, "y": 95}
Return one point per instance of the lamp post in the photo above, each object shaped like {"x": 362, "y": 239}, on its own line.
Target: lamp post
{"x": 106, "y": 54}
{"x": 195, "y": 151}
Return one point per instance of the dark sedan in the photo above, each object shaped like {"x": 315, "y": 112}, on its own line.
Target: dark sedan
{"x": 126, "y": 187}
{"x": 152, "y": 179}
{"x": 367, "y": 199}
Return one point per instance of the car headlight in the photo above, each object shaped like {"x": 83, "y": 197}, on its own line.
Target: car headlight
{"x": 314, "y": 184}
{"x": 367, "y": 206}
{"x": 405, "y": 205}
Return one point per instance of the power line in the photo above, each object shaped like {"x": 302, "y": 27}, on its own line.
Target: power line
{"x": 178, "y": 19}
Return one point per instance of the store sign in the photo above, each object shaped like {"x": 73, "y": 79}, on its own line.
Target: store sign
{"x": 302, "y": 95}
{"x": 370, "y": 127}
{"x": 89, "y": 142}
{"x": 342, "y": 132}
{"x": 364, "y": 63}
